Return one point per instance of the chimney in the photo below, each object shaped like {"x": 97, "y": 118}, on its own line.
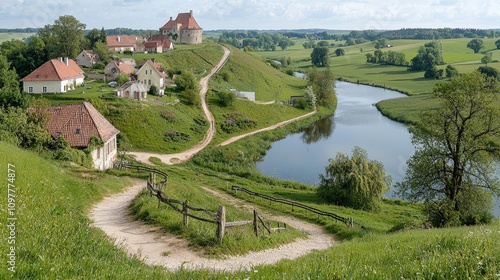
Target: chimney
{"x": 170, "y": 18}
{"x": 60, "y": 59}
{"x": 191, "y": 13}
{"x": 118, "y": 38}
{"x": 66, "y": 61}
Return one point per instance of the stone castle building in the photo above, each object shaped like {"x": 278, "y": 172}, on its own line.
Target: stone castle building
{"x": 183, "y": 30}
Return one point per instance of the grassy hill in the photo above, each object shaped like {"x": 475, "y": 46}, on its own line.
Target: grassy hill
{"x": 54, "y": 237}
{"x": 14, "y": 36}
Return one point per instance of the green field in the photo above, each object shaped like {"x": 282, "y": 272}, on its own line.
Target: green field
{"x": 353, "y": 67}
{"x": 14, "y": 36}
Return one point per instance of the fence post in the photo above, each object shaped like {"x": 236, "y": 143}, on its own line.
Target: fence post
{"x": 221, "y": 223}
{"x": 185, "y": 212}
{"x": 255, "y": 225}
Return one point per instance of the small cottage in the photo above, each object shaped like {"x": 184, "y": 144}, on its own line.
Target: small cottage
{"x": 78, "y": 124}
{"x": 87, "y": 58}
{"x": 133, "y": 90}
{"x": 152, "y": 74}
{"x": 114, "y": 68}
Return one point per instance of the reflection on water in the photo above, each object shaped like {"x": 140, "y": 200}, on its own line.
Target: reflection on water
{"x": 320, "y": 129}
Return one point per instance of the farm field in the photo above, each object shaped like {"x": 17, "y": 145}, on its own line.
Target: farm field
{"x": 353, "y": 67}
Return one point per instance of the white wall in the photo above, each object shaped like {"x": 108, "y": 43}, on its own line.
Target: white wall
{"x": 52, "y": 86}
{"x": 104, "y": 156}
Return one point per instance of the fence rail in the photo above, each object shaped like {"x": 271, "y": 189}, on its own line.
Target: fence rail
{"x": 347, "y": 221}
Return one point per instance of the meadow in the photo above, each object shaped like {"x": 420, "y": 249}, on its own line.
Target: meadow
{"x": 55, "y": 238}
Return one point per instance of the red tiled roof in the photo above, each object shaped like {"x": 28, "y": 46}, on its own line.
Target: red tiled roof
{"x": 121, "y": 41}
{"x": 164, "y": 40}
{"x": 55, "y": 70}
{"x": 92, "y": 56}
{"x": 185, "y": 19}
{"x": 78, "y": 123}
{"x": 152, "y": 44}
{"x": 126, "y": 68}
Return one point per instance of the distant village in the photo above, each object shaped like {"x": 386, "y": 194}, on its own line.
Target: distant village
{"x": 79, "y": 124}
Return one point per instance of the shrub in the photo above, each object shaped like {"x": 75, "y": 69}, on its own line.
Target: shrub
{"x": 227, "y": 98}
{"x": 169, "y": 116}
{"x": 236, "y": 121}
{"x": 175, "y": 136}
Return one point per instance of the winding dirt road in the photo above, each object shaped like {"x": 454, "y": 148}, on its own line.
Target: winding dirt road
{"x": 156, "y": 247}
{"x": 209, "y": 136}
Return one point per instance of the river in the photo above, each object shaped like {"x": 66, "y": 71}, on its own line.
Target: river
{"x": 357, "y": 122}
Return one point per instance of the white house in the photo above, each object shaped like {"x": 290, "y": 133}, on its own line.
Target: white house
{"x": 152, "y": 74}
{"x": 78, "y": 124}
{"x": 55, "y": 75}
{"x": 133, "y": 90}
{"x": 120, "y": 43}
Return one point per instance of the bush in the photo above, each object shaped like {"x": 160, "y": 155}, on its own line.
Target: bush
{"x": 169, "y": 116}
{"x": 175, "y": 136}
{"x": 354, "y": 182}
{"x": 153, "y": 90}
{"x": 227, "y": 99}
{"x": 236, "y": 121}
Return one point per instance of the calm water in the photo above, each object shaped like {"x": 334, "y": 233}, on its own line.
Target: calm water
{"x": 357, "y": 122}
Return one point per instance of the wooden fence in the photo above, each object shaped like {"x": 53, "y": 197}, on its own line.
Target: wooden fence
{"x": 156, "y": 188}
{"x": 348, "y": 221}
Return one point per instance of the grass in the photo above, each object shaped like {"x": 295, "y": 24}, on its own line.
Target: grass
{"x": 353, "y": 66}
{"x": 14, "y": 36}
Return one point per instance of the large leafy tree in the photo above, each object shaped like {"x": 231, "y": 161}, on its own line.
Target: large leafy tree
{"x": 66, "y": 37}
{"x": 476, "y": 45}
{"x": 455, "y": 148}
{"x": 428, "y": 56}
{"x": 319, "y": 57}
{"x": 323, "y": 86}
{"x": 354, "y": 181}
{"x": 10, "y": 93}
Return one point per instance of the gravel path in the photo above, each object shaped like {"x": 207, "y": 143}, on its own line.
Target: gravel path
{"x": 156, "y": 247}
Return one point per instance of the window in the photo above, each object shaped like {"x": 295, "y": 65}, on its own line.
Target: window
{"x": 30, "y": 89}
{"x": 149, "y": 82}
{"x": 44, "y": 89}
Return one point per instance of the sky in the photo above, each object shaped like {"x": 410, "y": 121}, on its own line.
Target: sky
{"x": 258, "y": 14}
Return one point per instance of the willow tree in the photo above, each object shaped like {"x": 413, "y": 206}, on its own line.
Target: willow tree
{"x": 453, "y": 164}
{"x": 354, "y": 182}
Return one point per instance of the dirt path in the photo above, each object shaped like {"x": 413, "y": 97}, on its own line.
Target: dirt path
{"x": 186, "y": 155}
{"x": 155, "y": 247}
{"x": 236, "y": 138}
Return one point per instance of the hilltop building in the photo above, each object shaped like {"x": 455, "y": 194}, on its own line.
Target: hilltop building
{"x": 183, "y": 30}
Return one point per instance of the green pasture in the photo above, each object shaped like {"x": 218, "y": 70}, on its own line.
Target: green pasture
{"x": 14, "y": 36}
{"x": 353, "y": 67}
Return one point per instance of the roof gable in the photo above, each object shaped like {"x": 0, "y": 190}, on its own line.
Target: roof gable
{"x": 78, "y": 123}
{"x": 186, "y": 20}
{"x": 56, "y": 70}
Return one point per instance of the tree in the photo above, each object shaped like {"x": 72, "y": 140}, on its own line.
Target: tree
{"x": 451, "y": 71}
{"x": 65, "y": 38}
{"x": 10, "y": 94}
{"x": 339, "y": 52}
{"x": 476, "y": 45}
{"x": 454, "y": 152}
{"x": 354, "y": 182}
{"x": 188, "y": 87}
{"x": 319, "y": 57}
{"x": 380, "y": 43}
{"x": 227, "y": 98}
{"x": 322, "y": 83}
{"x": 489, "y": 71}
{"x": 428, "y": 56}
{"x": 101, "y": 49}
{"x": 497, "y": 43}
{"x": 486, "y": 59}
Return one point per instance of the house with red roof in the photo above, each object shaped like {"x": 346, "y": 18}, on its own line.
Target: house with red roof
{"x": 152, "y": 74}
{"x": 78, "y": 124}
{"x": 120, "y": 43}
{"x": 54, "y": 76}
{"x": 184, "y": 29}
{"x": 87, "y": 58}
{"x": 158, "y": 44}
